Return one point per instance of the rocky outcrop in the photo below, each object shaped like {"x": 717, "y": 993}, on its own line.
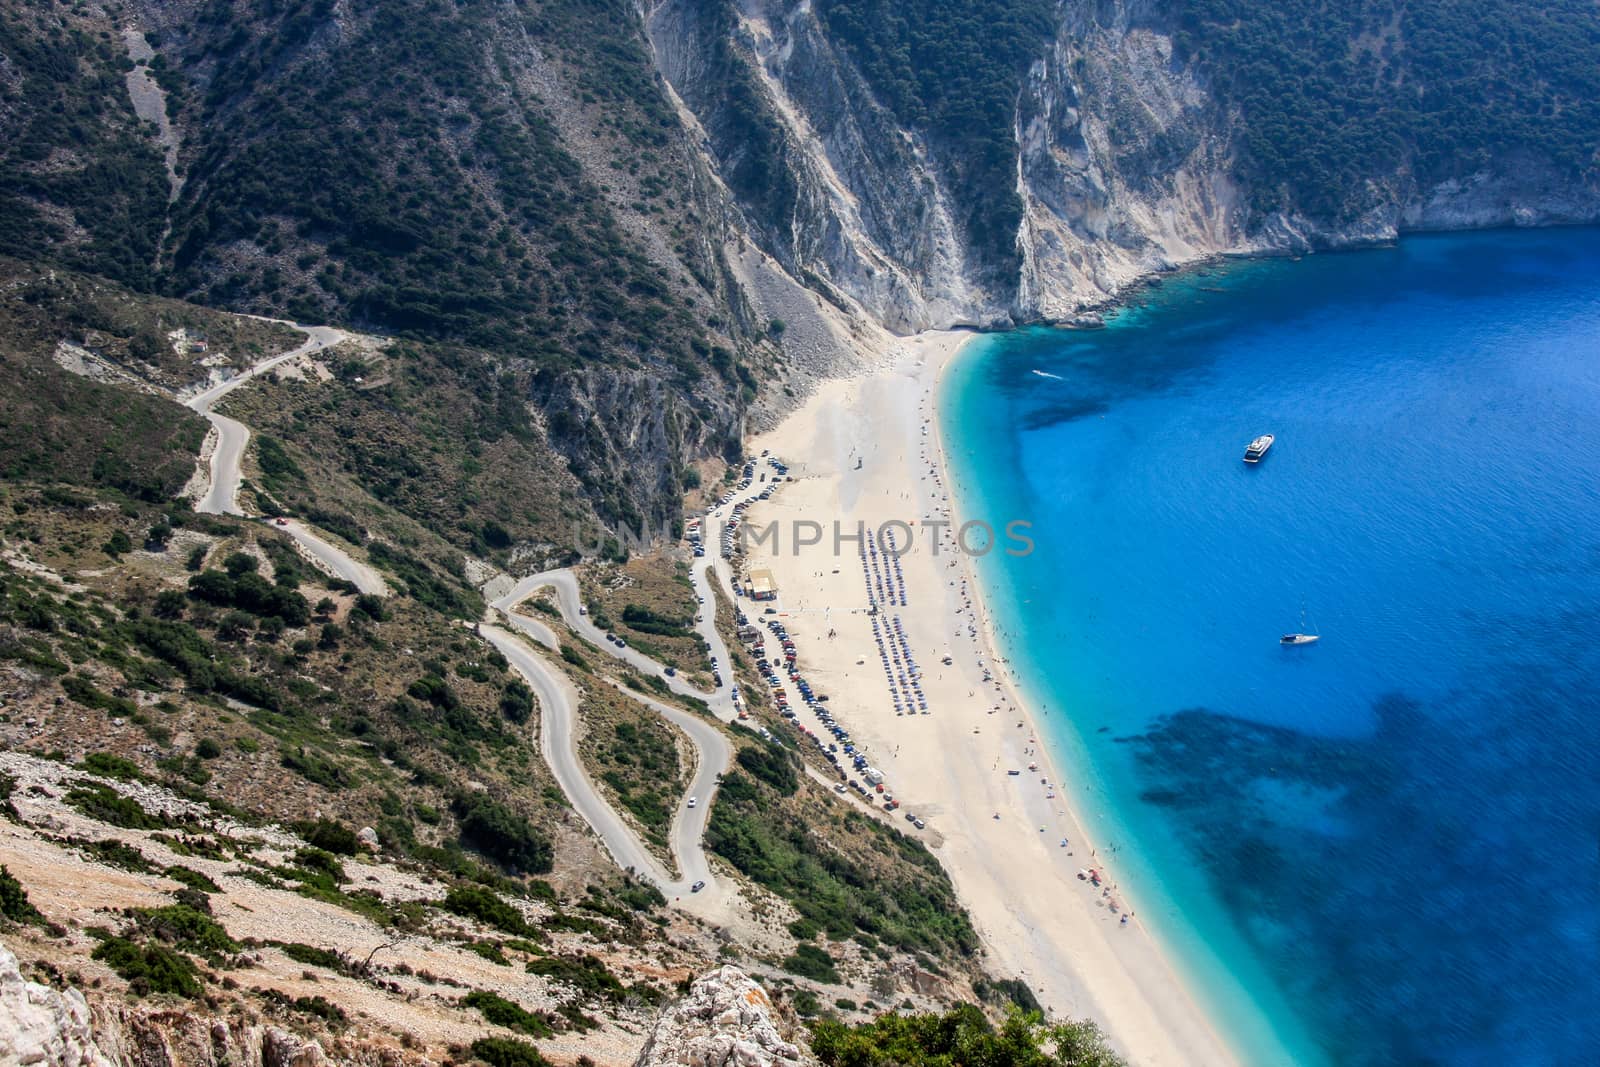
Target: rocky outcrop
{"x": 43, "y": 1026}
{"x": 182, "y": 1039}
{"x": 725, "y": 1021}
{"x": 1127, "y": 165}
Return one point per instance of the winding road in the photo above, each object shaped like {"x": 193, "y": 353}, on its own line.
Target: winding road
{"x": 222, "y": 497}
{"x": 558, "y": 697}
{"x": 558, "y": 705}
{"x": 232, "y": 436}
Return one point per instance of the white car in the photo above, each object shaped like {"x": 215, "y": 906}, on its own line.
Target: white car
{"x": 693, "y": 801}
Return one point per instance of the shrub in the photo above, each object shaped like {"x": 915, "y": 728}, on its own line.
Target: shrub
{"x": 149, "y": 968}
{"x": 14, "y": 902}
{"x": 516, "y": 702}
{"x": 586, "y": 974}
{"x": 187, "y": 927}
{"x": 507, "y": 1052}
{"x": 502, "y": 834}
{"x": 1007, "y": 990}
{"x": 810, "y": 961}
{"x": 961, "y": 1035}
{"x": 477, "y": 902}
{"x": 111, "y": 766}
{"x": 101, "y": 802}
{"x": 314, "y": 957}
{"x": 117, "y": 544}
{"x": 330, "y": 836}
{"x": 499, "y": 1011}
{"x": 193, "y": 879}
{"x": 208, "y": 748}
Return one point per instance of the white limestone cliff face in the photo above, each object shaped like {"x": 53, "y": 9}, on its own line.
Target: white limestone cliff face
{"x": 43, "y": 1026}
{"x": 1126, "y": 166}
{"x": 725, "y": 1021}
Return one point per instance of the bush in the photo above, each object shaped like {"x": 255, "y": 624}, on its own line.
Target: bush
{"x": 499, "y": 1011}
{"x": 149, "y": 968}
{"x": 962, "y": 1035}
{"x": 502, "y": 834}
{"x": 810, "y": 961}
{"x": 588, "y": 975}
{"x": 101, "y": 802}
{"x": 477, "y": 902}
{"x": 507, "y": 1052}
{"x": 1007, "y": 990}
{"x": 772, "y": 764}
{"x": 208, "y": 748}
{"x": 14, "y": 902}
{"x": 193, "y": 879}
{"x": 315, "y": 767}
{"x": 314, "y": 957}
{"x": 117, "y": 544}
{"x": 516, "y": 702}
{"x": 185, "y": 926}
{"x": 330, "y": 836}
{"x": 111, "y": 765}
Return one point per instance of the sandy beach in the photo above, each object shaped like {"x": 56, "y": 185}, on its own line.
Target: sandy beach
{"x": 865, "y": 449}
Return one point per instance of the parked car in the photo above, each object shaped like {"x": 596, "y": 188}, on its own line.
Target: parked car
{"x": 697, "y": 887}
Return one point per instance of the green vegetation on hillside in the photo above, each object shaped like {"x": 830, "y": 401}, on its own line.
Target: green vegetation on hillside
{"x": 81, "y": 182}
{"x": 843, "y": 871}
{"x": 635, "y": 755}
{"x": 14, "y": 903}
{"x": 959, "y": 1038}
{"x": 953, "y": 69}
{"x": 1334, "y": 94}
{"x": 380, "y": 747}
{"x": 415, "y": 182}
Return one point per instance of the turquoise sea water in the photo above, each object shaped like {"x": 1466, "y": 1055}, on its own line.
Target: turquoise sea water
{"x": 1383, "y": 848}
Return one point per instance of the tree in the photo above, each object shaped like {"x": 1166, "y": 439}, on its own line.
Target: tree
{"x": 169, "y": 604}
{"x": 235, "y": 625}
{"x": 516, "y": 702}
{"x": 962, "y": 1035}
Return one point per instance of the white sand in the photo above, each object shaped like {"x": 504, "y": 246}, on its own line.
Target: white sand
{"x": 1038, "y": 921}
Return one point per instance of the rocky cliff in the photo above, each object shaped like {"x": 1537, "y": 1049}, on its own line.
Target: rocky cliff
{"x": 1127, "y": 161}
{"x": 665, "y": 218}
{"x": 725, "y": 1021}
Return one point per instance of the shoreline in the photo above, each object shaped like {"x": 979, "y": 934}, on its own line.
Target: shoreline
{"x": 869, "y": 448}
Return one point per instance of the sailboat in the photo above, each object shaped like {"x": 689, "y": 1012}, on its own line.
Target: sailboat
{"x": 1300, "y": 637}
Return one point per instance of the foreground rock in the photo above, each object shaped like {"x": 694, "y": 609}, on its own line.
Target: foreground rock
{"x": 726, "y": 1020}
{"x": 39, "y": 1025}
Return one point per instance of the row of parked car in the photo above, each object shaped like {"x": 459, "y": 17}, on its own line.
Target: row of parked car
{"x": 870, "y": 785}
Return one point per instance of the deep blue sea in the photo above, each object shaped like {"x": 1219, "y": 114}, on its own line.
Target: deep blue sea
{"x": 1383, "y": 848}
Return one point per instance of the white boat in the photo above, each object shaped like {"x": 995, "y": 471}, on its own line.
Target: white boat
{"x": 1258, "y": 448}
{"x": 1302, "y": 636}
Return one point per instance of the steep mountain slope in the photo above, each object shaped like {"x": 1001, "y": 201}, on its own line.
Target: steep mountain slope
{"x": 949, "y": 166}
{"x": 660, "y": 221}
